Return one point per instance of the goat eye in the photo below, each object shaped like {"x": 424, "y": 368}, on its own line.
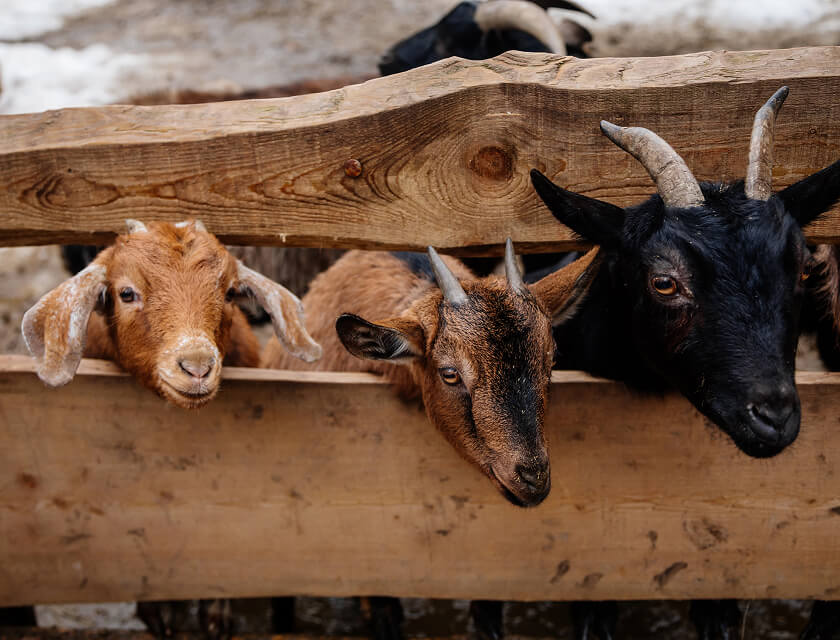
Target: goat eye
{"x": 450, "y": 375}
{"x": 127, "y": 294}
{"x": 230, "y": 295}
{"x": 664, "y": 285}
{"x": 806, "y": 272}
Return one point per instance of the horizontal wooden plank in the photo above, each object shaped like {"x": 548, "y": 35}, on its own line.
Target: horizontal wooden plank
{"x": 444, "y": 151}
{"x": 331, "y": 486}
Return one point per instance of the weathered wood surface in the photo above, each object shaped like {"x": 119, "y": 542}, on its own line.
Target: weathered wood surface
{"x": 330, "y": 486}
{"x": 445, "y": 151}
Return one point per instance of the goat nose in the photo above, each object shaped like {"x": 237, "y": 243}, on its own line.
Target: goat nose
{"x": 197, "y": 366}
{"x": 533, "y": 477}
{"x": 770, "y": 413}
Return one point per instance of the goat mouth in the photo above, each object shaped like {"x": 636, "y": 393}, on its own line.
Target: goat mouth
{"x": 188, "y": 399}
{"x": 509, "y": 495}
{"x": 740, "y": 433}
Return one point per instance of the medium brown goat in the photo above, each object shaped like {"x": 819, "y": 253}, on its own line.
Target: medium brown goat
{"x": 479, "y": 351}
{"x": 164, "y": 296}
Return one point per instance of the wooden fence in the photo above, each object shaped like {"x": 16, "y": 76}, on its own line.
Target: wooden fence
{"x": 325, "y": 484}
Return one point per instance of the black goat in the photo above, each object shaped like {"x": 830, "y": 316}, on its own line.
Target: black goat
{"x": 480, "y": 30}
{"x": 701, "y": 287}
{"x": 700, "y": 290}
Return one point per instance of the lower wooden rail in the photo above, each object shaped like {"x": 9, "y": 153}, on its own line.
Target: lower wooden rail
{"x": 325, "y": 484}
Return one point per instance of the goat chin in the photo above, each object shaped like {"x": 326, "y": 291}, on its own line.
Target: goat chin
{"x": 187, "y": 399}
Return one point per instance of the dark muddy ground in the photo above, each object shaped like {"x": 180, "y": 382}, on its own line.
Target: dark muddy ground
{"x": 665, "y": 620}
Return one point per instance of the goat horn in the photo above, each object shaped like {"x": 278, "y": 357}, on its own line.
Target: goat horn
{"x": 198, "y": 225}
{"x": 674, "y": 180}
{"x": 453, "y": 293}
{"x": 522, "y": 15}
{"x": 759, "y": 183}
{"x": 135, "y": 226}
{"x": 514, "y": 277}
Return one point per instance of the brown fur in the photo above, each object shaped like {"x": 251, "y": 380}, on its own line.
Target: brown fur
{"x": 182, "y": 276}
{"x": 500, "y": 343}
{"x": 386, "y": 289}
{"x": 181, "y": 325}
{"x": 828, "y": 263}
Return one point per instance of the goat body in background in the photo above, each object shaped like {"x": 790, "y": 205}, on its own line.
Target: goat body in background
{"x": 481, "y": 30}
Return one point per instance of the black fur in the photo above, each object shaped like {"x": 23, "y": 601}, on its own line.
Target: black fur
{"x": 77, "y": 256}
{"x": 418, "y": 263}
{"x": 457, "y": 34}
{"x": 728, "y": 340}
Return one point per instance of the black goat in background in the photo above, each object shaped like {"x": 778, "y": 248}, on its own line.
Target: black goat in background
{"x": 481, "y": 30}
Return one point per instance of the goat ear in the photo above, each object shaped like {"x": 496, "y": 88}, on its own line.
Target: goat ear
{"x": 807, "y": 199}
{"x": 562, "y": 291}
{"x": 286, "y": 313}
{"x": 397, "y": 340}
{"x": 597, "y": 221}
{"x": 55, "y": 329}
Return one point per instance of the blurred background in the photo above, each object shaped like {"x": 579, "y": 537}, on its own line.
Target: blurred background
{"x": 61, "y": 53}
{"x": 70, "y": 53}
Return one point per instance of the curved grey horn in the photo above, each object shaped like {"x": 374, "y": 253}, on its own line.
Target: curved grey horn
{"x": 523, "y": 15}
{"x": 452, "y": 291}
{"x": 674, "y": 180}
{"x": 514, "y": 277}
{"x": 759, "y": 182}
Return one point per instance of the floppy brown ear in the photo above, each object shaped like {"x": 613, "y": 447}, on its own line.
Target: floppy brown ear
{"x": 286, "y": 313}
{"x": 397, "y": 340}
{"x": 562, "y": 291}
{"x": 55, "y": 329}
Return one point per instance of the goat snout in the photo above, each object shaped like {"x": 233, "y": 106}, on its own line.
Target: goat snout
{"x": 773, "y": 414}
{"x": 197, "y": 363}
{"x": 190, "y": 370}
{"x": 533, "y": 478}
{"x": 523, "y": 484}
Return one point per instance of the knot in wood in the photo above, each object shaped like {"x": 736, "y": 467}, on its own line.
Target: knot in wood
{"x": 492, "y": 162}
{"x": 353, "y": 168}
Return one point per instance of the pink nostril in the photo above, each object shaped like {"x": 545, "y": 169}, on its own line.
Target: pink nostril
{"x": 196, "y": 368}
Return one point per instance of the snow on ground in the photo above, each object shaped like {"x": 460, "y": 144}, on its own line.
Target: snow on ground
{"x": 646, "y": 28}
{"x": 112, "y": 615}
{"x": 37, "y": 78}
{"x": 29, "y": 18}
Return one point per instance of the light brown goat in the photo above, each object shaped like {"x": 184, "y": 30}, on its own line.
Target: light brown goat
{"x": 478, "y": 351}
{"x": 164, "y": 296}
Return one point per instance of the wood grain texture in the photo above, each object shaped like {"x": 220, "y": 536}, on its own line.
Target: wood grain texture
{"x": 331, "y": 486}
{"x": 445, "y": 151}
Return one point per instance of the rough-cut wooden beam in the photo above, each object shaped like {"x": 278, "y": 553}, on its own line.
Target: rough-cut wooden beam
{"x": 328, "y": 485}
{"x": 444, "y": 151}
